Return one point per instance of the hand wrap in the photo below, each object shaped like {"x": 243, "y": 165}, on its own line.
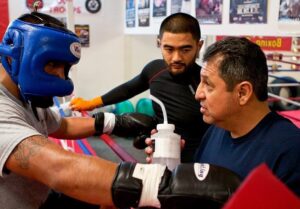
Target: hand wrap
{"x": 126, "y": 125}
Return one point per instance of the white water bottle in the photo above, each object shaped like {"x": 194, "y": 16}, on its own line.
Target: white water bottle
{"x": 167, "y": 146}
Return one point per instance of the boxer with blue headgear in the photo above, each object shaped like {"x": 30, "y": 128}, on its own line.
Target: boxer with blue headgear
{"x": 29, "y": 44}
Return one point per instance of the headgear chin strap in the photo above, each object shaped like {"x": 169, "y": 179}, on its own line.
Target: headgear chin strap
{"x": 31, "y": 46}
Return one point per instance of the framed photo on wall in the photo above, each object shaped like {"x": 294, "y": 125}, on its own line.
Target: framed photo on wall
{"x": 83, "y": 32}
{"x": 248, "y": 11}
{"x": 130, "y": 13}
{"x": 159, "y": 8}
{"x": 209, "y": 11}
{"x": 144, "y": 13}
{"x": 289, "y": 11}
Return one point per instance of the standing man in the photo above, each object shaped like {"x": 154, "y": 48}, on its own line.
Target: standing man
{"x": 245, "y": 133}
{"x": 172, "y": 80}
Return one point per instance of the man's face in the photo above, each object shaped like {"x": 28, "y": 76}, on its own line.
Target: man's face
{"x": 56, "y": 69}
{"x": 218, "y": 105}
{"x": 179, "y": 50}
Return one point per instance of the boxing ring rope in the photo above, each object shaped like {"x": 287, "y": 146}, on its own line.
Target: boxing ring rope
{"x": 282, "y": 70}
{"x": 117, "y": 149}
{"x": 289, "y": 114}
{"x": 284, "y": 99}
{"x": 293, "y": 115}
{"x": 283, "y": 78}
{"x": 287, "y": 84}
{"x": 283, "y": 84}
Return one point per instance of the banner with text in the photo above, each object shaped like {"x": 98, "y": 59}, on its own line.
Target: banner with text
{"x": 269, "y": 43}
{"x": 59, "y": 7}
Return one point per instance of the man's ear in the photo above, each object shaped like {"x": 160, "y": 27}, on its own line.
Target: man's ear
{"x": 200, "y": 44}
{"x": 158, "y": 42}
{"x": 244, "y": 91}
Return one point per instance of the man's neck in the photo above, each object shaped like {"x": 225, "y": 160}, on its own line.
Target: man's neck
{"x": 248, "y": 119}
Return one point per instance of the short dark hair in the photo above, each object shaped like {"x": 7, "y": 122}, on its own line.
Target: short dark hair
{"x": 43, "y": 19}
{"x": 180, "y": 23}
{"x": 242, "y": 60}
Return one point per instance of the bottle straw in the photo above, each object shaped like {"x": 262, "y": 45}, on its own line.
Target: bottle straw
{"x": 162, "y": 106}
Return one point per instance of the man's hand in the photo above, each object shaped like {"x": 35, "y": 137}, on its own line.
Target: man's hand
{"x": 151, "y": 145}
{"x": 80, "y": 104}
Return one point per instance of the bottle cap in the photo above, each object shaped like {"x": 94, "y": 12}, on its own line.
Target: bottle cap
{"x": 163, "y": 126}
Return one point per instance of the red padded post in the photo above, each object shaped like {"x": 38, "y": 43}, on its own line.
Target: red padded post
{"x": 263, "y": 190}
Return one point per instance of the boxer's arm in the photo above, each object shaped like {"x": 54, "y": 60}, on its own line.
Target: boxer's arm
{"x": 126, "y": 125}
{"x": 75, "y": 128}
{"x": 39, "y": 159}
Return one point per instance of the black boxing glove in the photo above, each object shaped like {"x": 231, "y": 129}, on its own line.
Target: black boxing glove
{"x": 198, "y": 185}
{"x": 125, "y": 125}
{"x": 188, "y": 186}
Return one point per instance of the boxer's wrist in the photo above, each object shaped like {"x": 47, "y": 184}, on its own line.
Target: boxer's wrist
{"x": 104, "y": 123}
{"x": 136, "y": 185}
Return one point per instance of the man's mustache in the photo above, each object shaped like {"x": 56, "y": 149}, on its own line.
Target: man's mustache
{"x": 178, "y": 63}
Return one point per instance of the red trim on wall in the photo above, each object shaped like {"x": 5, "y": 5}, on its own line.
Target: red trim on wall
{"x": 3, "y": 17}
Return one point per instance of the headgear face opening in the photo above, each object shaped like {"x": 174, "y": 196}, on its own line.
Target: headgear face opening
{"x": 31, "y": 42}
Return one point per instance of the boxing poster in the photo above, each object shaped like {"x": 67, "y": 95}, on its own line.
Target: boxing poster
{"x": 289, "y": 11}
{"x": 209, "y": 11}
{"x": 130, "y": 13}
{"x": 144, "y": 13}
{"x": 159, "y": 8}
{"x": 248, "y": 11}
{"x": 175, "y": 6}
{"x": 83, "y": 32}
{"x": 181, "y": 6}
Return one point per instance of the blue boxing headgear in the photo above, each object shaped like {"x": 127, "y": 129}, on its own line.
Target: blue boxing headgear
{"x": 32, "y": 41}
